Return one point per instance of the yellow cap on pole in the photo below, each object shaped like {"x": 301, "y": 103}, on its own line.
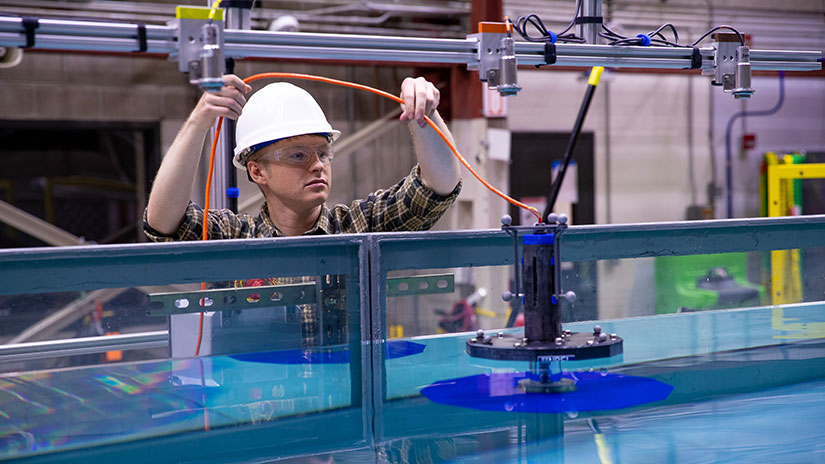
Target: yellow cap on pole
{"x": 595, "y": 75}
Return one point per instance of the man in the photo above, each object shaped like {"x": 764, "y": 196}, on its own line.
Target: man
{"x": 285, "y": 143}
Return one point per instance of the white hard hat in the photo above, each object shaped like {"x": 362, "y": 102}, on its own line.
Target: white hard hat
{"x": 275, "y": 112}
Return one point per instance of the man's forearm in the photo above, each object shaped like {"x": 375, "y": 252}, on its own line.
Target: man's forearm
{"x": 439, "y": 167}
{"x": 173, "y": 184}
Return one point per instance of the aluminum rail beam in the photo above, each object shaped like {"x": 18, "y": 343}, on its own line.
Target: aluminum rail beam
{"x": 659, "y": 52}
{"x": 76, "y": 43}
{"x": 86, "y": 345}
{"x": 349, "y": 40}
{"x": 168, "y": 33}
{"x": 117, "y": 37}
{"x": 341, "y": 53}
{"x": 88, "y": 28}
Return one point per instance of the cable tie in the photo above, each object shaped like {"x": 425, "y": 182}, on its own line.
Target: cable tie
{"x": 141, "y": 37}
{"x": 29, "y": 25}
{"x": 247, "y": 4}
{"x": 549, "y": 54}
{"x": 696, "y": 59}
{"x": 644, "y": 40}
{"x": 589, "y": 20}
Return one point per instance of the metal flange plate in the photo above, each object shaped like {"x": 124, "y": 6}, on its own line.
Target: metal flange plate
{"x": 573, "y": 346}
{"x": 239, "y": 299}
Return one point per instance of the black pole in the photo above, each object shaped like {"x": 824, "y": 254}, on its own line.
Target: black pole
{"x": 229, "y": 143}
{"x": 555, "y": 186}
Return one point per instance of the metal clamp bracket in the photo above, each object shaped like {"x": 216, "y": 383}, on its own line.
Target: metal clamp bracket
{"x": 496, "y": 55}
{"x": 732, "y": 65}
{"x": 200, "y": 43}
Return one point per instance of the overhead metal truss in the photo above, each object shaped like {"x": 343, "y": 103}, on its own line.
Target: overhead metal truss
{"x": 76, "y": 35}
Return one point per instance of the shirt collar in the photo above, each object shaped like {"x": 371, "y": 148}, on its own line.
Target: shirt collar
{"x": 269, "y": 229}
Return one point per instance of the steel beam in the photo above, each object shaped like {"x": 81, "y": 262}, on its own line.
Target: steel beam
{"x": 86, "y": 345}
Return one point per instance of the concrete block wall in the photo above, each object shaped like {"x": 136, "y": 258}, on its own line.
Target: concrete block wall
{"x": 96, "y": 87}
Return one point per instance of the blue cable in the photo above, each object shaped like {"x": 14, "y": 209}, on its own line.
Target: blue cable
{"x": 742, "y": 114}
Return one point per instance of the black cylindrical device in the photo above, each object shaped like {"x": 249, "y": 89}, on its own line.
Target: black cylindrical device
{"x": 542, "y": 312}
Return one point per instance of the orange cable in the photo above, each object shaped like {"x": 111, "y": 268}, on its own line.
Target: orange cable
{"x": 309, "y": 77}
{"x": 397, "y": 99}
{"x": 205, "y": 231}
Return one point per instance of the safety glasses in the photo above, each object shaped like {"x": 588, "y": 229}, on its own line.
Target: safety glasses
{"x": 300, "y": 155}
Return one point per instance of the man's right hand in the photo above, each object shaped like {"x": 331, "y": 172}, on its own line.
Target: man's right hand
{"x": 173, "y": 184}
{"x": 228, "y": 102}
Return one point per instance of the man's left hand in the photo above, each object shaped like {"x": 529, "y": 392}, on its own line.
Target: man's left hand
{"x": 420, "y": 99}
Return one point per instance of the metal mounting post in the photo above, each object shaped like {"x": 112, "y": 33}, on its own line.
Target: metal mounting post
{"x": 238, "y": 13}
{"x": 590, "y": 21}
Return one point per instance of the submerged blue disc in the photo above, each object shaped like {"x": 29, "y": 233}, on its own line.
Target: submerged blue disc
{"x": 340, "y": 355}
{"x": 595, "y": 391}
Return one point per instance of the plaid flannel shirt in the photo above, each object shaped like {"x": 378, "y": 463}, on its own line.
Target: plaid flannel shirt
{"x": 409, "y": 205}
